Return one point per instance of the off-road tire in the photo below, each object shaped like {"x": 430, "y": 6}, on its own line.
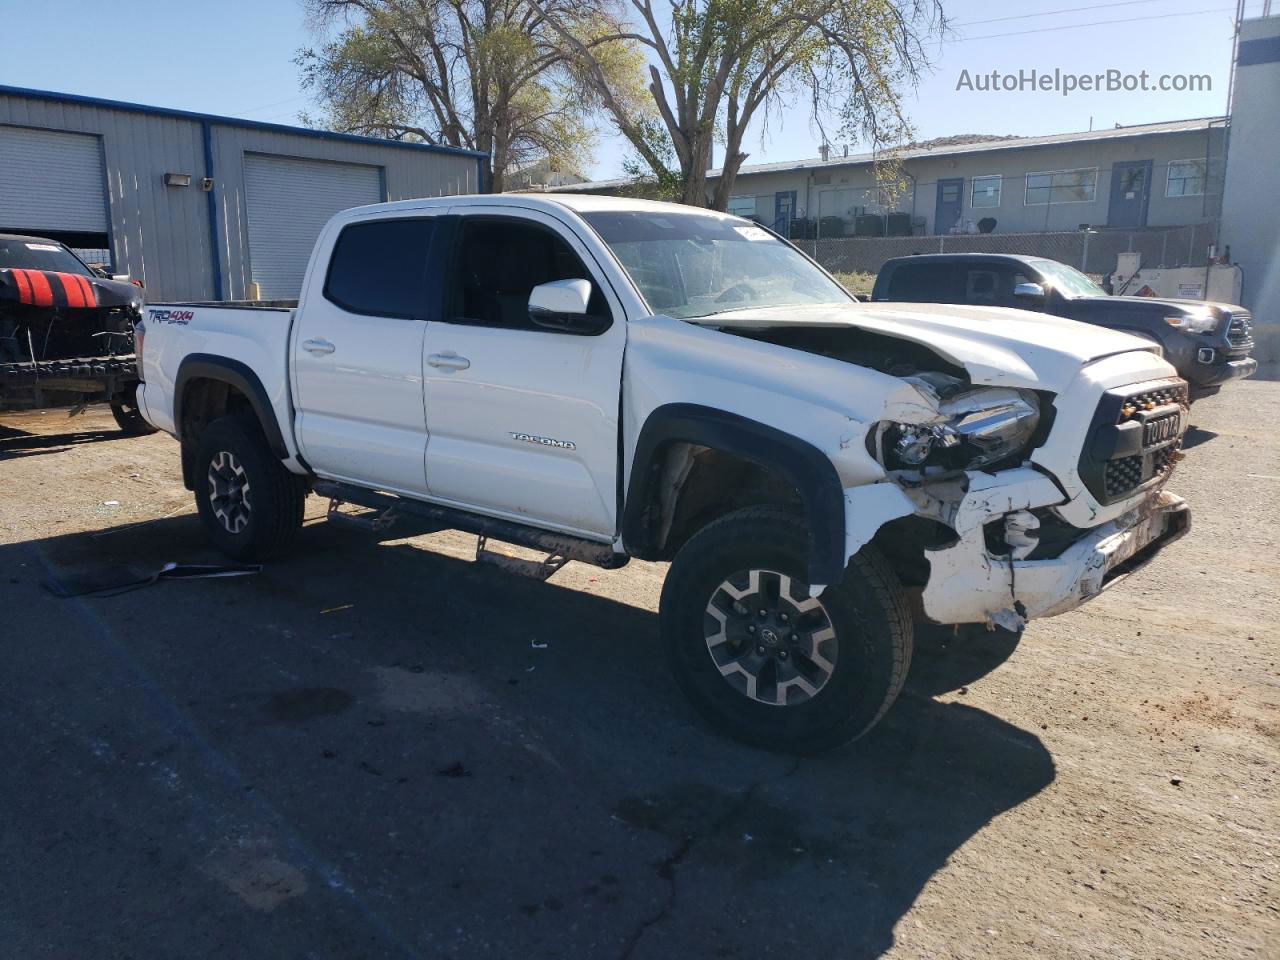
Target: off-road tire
{"x": 275, "y": 496}
{"x": 867, "y": 610}
{"x": 124, "y": 408}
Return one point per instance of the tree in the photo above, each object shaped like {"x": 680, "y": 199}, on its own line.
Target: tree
{"x": 487, "y": 75}
{"x": 717, "y": 66}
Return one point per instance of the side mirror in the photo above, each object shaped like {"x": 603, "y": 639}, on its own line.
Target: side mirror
{"x": 562, "y": 305}
{"x": 1029, "y": 291}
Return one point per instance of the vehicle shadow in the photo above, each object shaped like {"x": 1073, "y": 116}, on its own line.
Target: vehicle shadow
{"x": 19, "y": 443}
{"x": 567, "y": 751}
{"x": 1196, "y": 436}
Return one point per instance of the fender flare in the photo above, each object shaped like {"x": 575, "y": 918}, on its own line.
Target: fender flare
{"x": 806, "y": 467}
{"x": 206, "y": 366}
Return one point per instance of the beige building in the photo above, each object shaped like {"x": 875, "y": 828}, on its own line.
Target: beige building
{"x": 1251, "y": 203}
{"x": 1157, "y": 174}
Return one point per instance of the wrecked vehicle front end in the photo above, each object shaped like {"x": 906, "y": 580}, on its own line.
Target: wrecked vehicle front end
{"x": 1022, "y": 473}
{"x": 1039, "y": 501}
{"x": 66, "y": 337}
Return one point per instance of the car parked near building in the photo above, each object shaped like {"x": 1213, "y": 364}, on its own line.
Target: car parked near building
{"x": 66, "y": 331}
{"x": 604, "y": 379}
{"x": 1207, "y": 343}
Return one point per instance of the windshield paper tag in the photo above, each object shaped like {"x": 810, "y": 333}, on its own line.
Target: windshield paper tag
{"x": 43, "y": 246}
{"x": 751, "y": 233}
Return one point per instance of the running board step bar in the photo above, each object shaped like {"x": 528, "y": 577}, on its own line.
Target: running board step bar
{"x": 533, "y": 569}
{"x": 559, "y": 547}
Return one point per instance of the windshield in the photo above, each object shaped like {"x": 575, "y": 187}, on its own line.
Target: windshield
{"x": 698, "y": 264}
{"x": 1068, "y": 280}
{"x": 40, "y": 255}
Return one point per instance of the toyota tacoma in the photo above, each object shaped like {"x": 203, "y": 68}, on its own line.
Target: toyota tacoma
{"x": 602, "y": 379}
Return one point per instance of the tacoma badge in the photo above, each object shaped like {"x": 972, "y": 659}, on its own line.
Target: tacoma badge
{"x": 545, "y": 441}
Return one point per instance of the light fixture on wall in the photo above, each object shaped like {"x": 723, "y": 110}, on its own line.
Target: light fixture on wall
{"x": 177, "y": 179}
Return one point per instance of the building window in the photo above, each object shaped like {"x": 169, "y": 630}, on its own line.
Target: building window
{"x": 1186, "y": 178}
{"x": 986, "y": 192}
{"x": 743, "y": 207}
{"x": 1062, "y": 186}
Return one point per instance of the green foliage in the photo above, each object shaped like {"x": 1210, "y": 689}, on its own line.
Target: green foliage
{"x": 717, "y": 66}
{"x": 486, "y": 75}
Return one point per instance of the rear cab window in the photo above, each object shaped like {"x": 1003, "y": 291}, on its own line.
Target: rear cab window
{"x": 379, "y": 267}
{"x": 923, "y": 283}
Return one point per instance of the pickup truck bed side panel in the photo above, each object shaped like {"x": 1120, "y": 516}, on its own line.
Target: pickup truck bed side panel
{"x": 255, "y": 338}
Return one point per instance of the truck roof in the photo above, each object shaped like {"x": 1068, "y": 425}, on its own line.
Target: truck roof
{"x": 940, "y": 257}
{"x": 579, "y": 203}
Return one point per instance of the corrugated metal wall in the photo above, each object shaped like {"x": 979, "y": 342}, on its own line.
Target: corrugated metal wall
{"x": 161, "y": 234}
{"x": 32, "y": 159}
{"x": 407, "y": 174}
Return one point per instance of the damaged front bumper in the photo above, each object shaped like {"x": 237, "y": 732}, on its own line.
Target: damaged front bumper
{"x": 969, "y": 584}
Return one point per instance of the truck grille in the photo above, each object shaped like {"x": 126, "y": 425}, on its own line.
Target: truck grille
{"x": 1240, "y": 330}
{"x": 1135, "y": 439}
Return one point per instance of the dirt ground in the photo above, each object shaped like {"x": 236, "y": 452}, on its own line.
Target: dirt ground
{"x": 383, "y": 750}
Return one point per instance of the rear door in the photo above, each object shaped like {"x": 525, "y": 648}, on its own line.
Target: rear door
{"x": 949, "y": 204}
{"x": 1130, "y": 193}
{"x": 523, "y": 420}
{"x": 357, "y": 355}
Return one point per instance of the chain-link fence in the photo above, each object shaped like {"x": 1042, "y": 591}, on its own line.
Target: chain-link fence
{"x": 1091, "y": 251}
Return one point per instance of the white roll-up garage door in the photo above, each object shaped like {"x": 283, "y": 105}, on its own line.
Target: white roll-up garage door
{"x": 289, "y": 201}
{"x": 51, "y": 181}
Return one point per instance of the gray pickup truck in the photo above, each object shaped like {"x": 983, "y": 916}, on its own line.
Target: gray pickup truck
{"x": 1208, "y": 343}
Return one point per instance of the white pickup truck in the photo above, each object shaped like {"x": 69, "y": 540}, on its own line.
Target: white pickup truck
{"x": 602, "y": 379}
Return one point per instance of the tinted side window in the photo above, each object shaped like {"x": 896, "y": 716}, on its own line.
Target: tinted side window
{"x": 922, "y": 283}
{"x": 982, "y": 286}
{"x": 379, "y": 267}
{"x": 498, "y": 264}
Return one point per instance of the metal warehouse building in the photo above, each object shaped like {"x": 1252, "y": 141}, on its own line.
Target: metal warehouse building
{"x": 198, "y": 207}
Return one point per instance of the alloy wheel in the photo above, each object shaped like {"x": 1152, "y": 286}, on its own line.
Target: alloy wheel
{"x": 229, "y": 492}
{"x": 769, "y": 639}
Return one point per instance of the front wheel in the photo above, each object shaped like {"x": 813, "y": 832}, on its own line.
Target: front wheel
{"x": 250, "y": 505}
{"x": 762, "y": 660}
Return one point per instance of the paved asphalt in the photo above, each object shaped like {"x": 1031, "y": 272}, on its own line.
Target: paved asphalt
{"x": 384, "y": 750}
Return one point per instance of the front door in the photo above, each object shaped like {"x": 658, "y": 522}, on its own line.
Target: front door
{"x": 521, "y": 414}
{"x": 1130, "y": 193}
{"x": 357, "y": 356}
{"x": 950, "y": 204}
{"x": 784, "y": 211}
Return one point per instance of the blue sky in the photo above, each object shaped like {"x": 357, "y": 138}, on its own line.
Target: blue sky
{"x": 235, "y": 57}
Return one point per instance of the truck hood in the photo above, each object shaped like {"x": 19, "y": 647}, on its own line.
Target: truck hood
{"x": 996, "y": 346}
{"x": 1161, "y": 305}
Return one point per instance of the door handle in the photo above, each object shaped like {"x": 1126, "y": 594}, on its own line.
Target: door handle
{"x": 448, "y": 361}
{"x": 318, "y": 346}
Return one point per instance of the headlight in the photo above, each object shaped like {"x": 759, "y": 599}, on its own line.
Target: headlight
{"x": 1194, "y": 321}
{"x": 981, "y": 427}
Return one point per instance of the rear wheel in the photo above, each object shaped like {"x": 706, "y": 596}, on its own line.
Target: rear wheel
{"x": 124, "y": 408}
{"x": 250, "y": 505}
{"x": 762, "y": 660}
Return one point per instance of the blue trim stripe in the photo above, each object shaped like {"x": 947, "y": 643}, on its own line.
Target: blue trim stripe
{"x": 1261, "y": 50}
{"x": 206, "y": 129}
{"x": 6, "y": 90}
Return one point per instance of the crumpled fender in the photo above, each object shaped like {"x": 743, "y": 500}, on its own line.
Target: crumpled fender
{"x": 955, "y": 582}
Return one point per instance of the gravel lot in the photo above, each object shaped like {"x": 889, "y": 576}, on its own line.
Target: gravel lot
{"x": 383, "y": 750}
